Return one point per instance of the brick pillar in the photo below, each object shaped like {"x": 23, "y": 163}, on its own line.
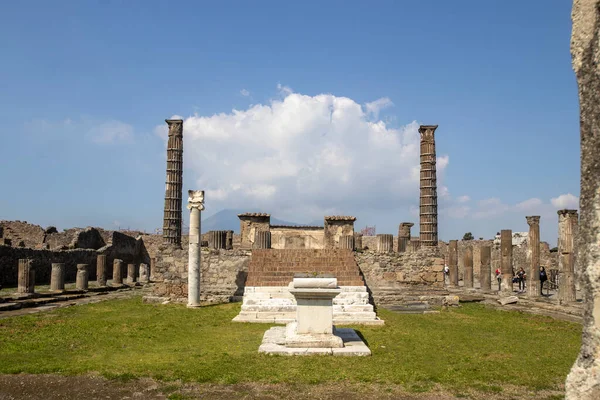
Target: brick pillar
{"x": 262, "y": 240}
{"x": 485, "y": 278}
{"x": 57, "y": 277}
{"x": 533, "y": 272}
{"x": 26, "y": 276}
{"x": 172, "y": 211}
{"x": 428, "y": 212}
{"x": 404, "y": 236}
{"x": 385, "y": 243}
{"x": 82, "y": 277}
{"x": 347, "y": 242}
{"x": 567, "y": 225}
{"x": 358, "y": 244}
{"x": 117, "y": 272}
{"x": 101, "y": 269}
{"x": 453, "y": 262}
{"x": 468, "y": 262}
{"x": 506, "y": 261}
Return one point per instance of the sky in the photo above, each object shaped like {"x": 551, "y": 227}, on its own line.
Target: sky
{"x": 297, "y": 109}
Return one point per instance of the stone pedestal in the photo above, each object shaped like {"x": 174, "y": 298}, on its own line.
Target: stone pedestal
{"x": 144, "y": 273}
{"x": 26, "y": 276}
{"x": 131, "y": 274}
{"x": 506, "y": 261}
{"x": 101, "y": 270}
{"x": 81, "y": 280}
{"x": 453, "y": 262}
{"x": 404, "y": 236}
{"x": 195, "y": 205}
{"x": 485, "y": 276}
{"x": 468, "y": 263}
{"x": 262, "y": 240}
{"x": 57, "y": 277}
{"x": 347, "y": 242}
{"x": 385, "y": 243}
{"x": 117, "y": 272}
{"x": 533, "y": 272}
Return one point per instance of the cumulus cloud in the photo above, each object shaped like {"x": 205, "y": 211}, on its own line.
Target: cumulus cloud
{"x": 373, "y": 108}
{"x": 244, "y": 93}
{"x": 304, "y": 155}
{"x": 530, "y": 204}
{"x": 565, "y": 201}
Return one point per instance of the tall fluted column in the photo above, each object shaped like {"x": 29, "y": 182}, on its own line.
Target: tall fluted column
{"x": 347, "y": 242}
{"x": 428, "y": 211}
{"x": 485, "y": 279}
{"x": 117, "y": 274}
{"x": 195, "y": 205}
{"x": 453, "y": 262}
{"x": 101, "y": 269}
{"x": 583, "y": 382}
{"x": 217, "y": 239}
{"x": 468, "y": 263}
{"x": 506, "y": 260}
{"x": 533, "y": 273}
{"x": 26, "y": 276}
{"x": 385, "y": 243}
{"x": 57, "y": 277}
{"x": 404, "y": 236}
{"x": 82, "y": 277}
{"x": 172, "y": 212}
{"x": 567, "y": 224}
{"x": 262, "y": 240}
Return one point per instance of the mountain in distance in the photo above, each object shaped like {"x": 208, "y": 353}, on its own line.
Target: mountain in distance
{"x": 227, "y": 220}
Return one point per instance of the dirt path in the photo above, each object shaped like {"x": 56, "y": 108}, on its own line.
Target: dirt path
{"x": 89, "y": 387}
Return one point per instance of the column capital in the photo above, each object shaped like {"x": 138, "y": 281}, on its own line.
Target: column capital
{"x": 408, "y": 224}
{"x": 427, "y": 131}
{"x": 175, "y": 127}
{"x": 566, "y": 212}
{"x": 196, "y": 199}
{"x": 533, "y": 220}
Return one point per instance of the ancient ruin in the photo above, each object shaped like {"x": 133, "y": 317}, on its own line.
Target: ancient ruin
{"x": 172, "y": 211}
{"x": 428, "y": 214}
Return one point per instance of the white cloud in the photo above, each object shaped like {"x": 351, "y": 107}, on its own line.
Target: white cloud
{"x": 373, "y": 108}
{"x": 111, "y": 132}
{"x": 565, "y": 201}
{"x": 244, "y": 93}
{"x": 529, "y": 205}
{"x": 489, "y": 208}
{"x": 463, "y": 199}
{"x": 93, "y": 130}
{"x": 302, "y": 157}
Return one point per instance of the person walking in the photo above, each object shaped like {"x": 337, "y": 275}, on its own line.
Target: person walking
{"x": 543, "y": 278}
{"x": 499, "y": 277}
{"x": 521, "y": 279}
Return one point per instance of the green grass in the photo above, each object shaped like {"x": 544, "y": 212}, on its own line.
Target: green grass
{"x": 472, "y": 347}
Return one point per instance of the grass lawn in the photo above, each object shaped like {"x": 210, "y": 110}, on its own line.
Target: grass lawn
{"x": 469, "y": 348}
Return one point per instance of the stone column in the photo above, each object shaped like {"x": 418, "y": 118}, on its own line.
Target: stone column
{"x": 485, "y": 274}
{"x": 172, "y": 211}
{"x": 81, "y": 280}
{"x": 101, "y": 269}
{"x": 428, "y": 211}
{"x": 506, "y": 260}
{"x": 262, "y": 240}
{"x": 229, "y": 240}
{"x": 347, "y": 242}
{"x": 117, "y": 274}
{"x": 468, "y": 263}
{"x": 453, "y": 262}
{"x": 152, "y": 268}
{"x": 195, "y": 205}
{"x": 583, "y": 382}
{"x": 131, "y": 275}
{"x": 57, "y": 277}
{"x": 144, "y": 273}
{"x": 217, "y": 239}
{"x": 567, "y": 224}
{"x": 415, "y": 245}
{"x": 404, "y": 236}
{"x": 358, "y": 245}
{"x": 385, "y": 243}
{"x": 26, "y": 276}
{"x": 533, "y": 272}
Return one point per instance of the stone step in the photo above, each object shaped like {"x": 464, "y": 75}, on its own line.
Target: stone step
{"x": 10, "y": 306}
{"x": 352, "y": 308}
{"x": 354, "y": 315}
{"x": 269, "y": 308}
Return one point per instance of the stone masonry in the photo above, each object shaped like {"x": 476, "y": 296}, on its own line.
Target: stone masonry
{"x": 336, "y": 226}
{"x": 428, "y": 210}
{"x": 173, "y": 190}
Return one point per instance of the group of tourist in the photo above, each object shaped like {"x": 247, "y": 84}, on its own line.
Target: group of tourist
{"x": 520, "y": 278}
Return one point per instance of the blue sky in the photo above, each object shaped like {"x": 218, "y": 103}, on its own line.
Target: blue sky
{"x": 86, "y": 86}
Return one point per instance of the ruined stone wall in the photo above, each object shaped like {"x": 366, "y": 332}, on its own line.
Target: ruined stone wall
{"x": 371, "y": 242}
{"x": 296, "y": 237}
{"x": 17, "y": 231}
{"x": 422, "y": 268}
{"x": 334, "y": 229}
{"x": 222, "y": 276}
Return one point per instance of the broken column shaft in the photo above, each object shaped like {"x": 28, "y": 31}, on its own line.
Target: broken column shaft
{"x": 485, "y": 279}
{"x": 428, "y": 210}
{"x": 131, "y": 275}
{"x": 347, "y": 242}
{"x": 101, "y": 269}
{"x": 262, "y": 240}
{"x": 533, "y": 272}
{"x": 26, "y": 276}
{"x": 468, "y": 271}
{"x": 567, "y": 225}
{"x": 453, "y": 262}
{"x": 174, "y": 182}
{"x": 385, "y": 243}
{"x": 82, "y": 277}
{"x": 57, "y": 277}
{"x": 404, "y": 236}
{"x": 117, "y": 272}
{"x": 506, "y": 260}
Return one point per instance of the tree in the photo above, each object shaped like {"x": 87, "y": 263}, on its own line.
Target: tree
{"x": 468, "y": 236}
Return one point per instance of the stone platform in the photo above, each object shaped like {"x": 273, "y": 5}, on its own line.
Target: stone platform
{"x": 275, "y": 338}
{"x": 275, "y": 304}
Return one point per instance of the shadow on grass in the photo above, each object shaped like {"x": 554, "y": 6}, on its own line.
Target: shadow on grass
{"x": 362, "y": 337}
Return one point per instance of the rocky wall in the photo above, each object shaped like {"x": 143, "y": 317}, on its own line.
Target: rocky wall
{"x": 296, "y": 238}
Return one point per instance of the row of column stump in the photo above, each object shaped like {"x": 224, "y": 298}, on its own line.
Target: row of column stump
{"x": 26, "y": 279}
